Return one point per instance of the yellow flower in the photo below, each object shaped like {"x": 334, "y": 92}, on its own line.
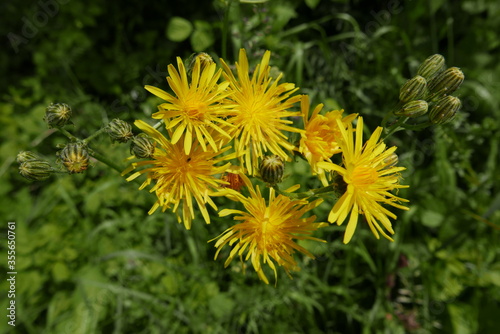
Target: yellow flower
{"x": 179, "y": 177}
{"x": 197, "y": 108}
{"x": 260, "y": 112}
{"x": 370, "y": 175}
{"x": 267, "y": 232}
{"x": 320, "y": 140}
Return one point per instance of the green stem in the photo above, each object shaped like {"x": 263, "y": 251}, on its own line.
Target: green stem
{"x": 92, "y": 136}
{"x": 310, "y": 193}
{"x": 72, "y": 76}
{"x": 225, "y": 29}
{"x": 106, "y": 161}
{"x": 416, "y": 127}
{"x": 395, "y": 127}
{"x": 390, "y": 113}
{"x": 67, "y": 134}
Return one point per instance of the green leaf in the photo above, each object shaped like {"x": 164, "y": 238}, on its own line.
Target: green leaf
{"x": 59, "y": 304}
{"x": 463, "y": 318}
{"x": 202, "y": 37}
{"x": 179, "y": 29}
{"x": 221, "y": 305}
{"x": 312, "y": 3}
{"x": 282, "y": 14}
{"x": 60, "y": 272}
{"x": 253, "y": 1}
{"x": 431, "y": 218}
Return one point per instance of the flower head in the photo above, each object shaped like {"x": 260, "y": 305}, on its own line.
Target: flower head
{"x": 180, "y": 178}
{"x": 195, "y": 109}
{"x": 370, "y": 175}
{"x": 267, "y": 231}
{"x": 320, "y": 139}
{"x": 260, "y": 111}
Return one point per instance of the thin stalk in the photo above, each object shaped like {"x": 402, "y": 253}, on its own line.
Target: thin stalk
{"x": 395, "y": 127}
{"x": 92, "y": 136}
{"x": 433, "y": 29}
{"x": 67, "y": 134}
{"x": 106, "y": 161}
{"x": 390, "y": 113}
{"x": 225, "y": 29}
{"x": 306, "y": 194}
{"x": 416, "y": 127}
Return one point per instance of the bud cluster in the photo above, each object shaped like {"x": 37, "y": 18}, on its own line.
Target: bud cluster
{"x": 429, "y": 92}
{"x": 32, "y": 167}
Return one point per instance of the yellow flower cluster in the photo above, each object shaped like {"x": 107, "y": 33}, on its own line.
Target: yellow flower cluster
{"x": 220, "y": 124}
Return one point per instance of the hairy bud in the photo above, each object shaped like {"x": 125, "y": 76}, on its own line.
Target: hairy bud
{"x": 119, "y": 131}
{"x": 271, "y": 169}
{"x": 35, "y": 170}
{"x": 431, "y": 67}
{"x": 204, "y": 58}
{"x": 142, "y": 147}
{"x": 413, "y": 109}
{"x": 413, "y": 89}
{"x": 57, "y": 115}
{"x": 448, "y": 81}
{"x": 74, "y": 157}
{"x": 391, "y": 161}
{"x": 444, "y": 110}
{"x": 24, "y": 156}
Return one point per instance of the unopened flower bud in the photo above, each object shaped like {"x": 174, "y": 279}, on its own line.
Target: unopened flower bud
{"x": 35, "y": 170}
{"x": 444, "y": 110}
{"x": 448, "y": 81}
{"x": 204, "y": 58}
{"x": 26, "y": 156}
{"x": 271, "y": 169}
{"x": 74, "y": 157}
{"x": 431, "y": 67}
{"x": 119, "y": 131}
{"x": 57, "y": 115}
{"x": 142, "y": 147}
{"x": 413, "y": 89}
{"x": 413, "y": 109}
{"x": 391, "y": 161}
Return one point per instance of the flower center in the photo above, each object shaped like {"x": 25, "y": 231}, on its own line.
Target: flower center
{"x": 361, "y": 177}
{"x": 195, "y": 109}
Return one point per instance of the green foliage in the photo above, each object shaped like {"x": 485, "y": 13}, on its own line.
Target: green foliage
{"x": 91, "y": 260}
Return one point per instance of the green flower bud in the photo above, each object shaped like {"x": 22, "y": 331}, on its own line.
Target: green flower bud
{"x": 204, "y": 58}
{"x": 35, "y": 170}
{"x": 271, "y": 169}
{"x": 57, "y": 115}
{"x": 142, "y": 147}
{"x": 391, "y": 161}
{"x": 26, "y": 156}
{"x": 75, "y": 157}
{"x": 445, "y": 109}
{"x": 448, "y": 81}
{"x": 119, "y": 131}
{"x": 413, "y": 89}
{"x": 431, "y": 67}
{"x": 413, "y": 109}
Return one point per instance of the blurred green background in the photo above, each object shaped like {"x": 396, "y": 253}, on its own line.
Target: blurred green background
{"x": 90, "y": 259}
